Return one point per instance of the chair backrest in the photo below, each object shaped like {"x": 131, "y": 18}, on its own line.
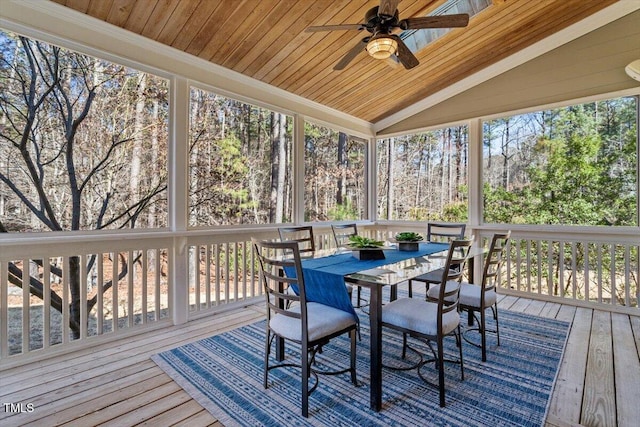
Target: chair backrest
{"x": 445, "y": 232}
{"x": 303, "y": 235}
{"x": 452, "y": 273}
{"x": 493, "y": 263}
{"x": 342, "y": 232}
{"x": 273, "y": 258}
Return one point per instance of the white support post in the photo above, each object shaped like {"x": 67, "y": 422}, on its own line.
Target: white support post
{"x": 371, "y": 180}
{"x": 475, "y": 184}
{"x": 179, "y": 197}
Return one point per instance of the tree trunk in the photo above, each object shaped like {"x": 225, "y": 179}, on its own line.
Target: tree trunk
{"x": 390, "y": 174}
{"x": 278, "y": 170}
{"x": 342, "y": 168}
{"x": 136, "y": 152}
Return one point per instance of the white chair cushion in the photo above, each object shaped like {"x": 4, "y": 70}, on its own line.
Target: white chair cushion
{"x": 434, "y": 291}
{"x": 322, "y": 321}
{"x": 470, "y": 296}
{"x": 418, "y": 315}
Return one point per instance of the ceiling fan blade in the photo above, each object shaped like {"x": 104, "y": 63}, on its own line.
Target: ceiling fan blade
{"x": 406, "y": 57}
{"x": 435, "y": 21}
{"x": 350, "y": 55}
{"x": 334, "y": 27}
{"x": 388, "y": 8}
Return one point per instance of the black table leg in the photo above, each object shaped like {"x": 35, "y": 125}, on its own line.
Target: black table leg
{"x": 375, "y": 321}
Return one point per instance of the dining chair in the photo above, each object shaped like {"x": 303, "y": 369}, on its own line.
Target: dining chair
{"x": 303, "y": 235}
{"x": 438, "y": 232}
{"x": 432, "y": 321}
{"x": 310, "y": 324}
{"x": 341, "y": 234}
{"x": 478, "y": 298}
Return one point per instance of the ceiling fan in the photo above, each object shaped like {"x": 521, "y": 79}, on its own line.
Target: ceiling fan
{"x": 383, "y": 23}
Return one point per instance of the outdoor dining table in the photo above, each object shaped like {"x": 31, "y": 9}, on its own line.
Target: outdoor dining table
{"x": 325, "y": 277}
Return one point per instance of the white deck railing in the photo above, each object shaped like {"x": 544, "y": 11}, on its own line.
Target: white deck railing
{"x": 581, "y": 266}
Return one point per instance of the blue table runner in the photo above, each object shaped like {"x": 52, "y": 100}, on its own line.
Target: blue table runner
{"x": 324, "y": 277}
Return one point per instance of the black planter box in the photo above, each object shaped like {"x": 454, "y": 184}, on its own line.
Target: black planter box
{"x": 368, "y": 254}
{"x": 408, "y": 246}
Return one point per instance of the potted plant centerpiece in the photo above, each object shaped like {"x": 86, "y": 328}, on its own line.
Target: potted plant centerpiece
{"x": 365, "y": 248}
{"x": 408, "y": 241}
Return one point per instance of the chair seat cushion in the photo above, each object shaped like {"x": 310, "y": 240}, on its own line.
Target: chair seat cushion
{"x": 470, "y": 296}
{"x": 419, "y": 316}
{"x": 322, "y": 321}
{"x": 434, "y": 291}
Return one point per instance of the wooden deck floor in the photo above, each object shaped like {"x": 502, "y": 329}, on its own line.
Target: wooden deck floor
{"x": 117, "y": 384}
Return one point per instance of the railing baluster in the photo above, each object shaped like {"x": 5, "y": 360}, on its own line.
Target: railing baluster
{"x": 158, "y": 291}
{"x": 561, "y": 252}
{"x": 82, "y": 263}
{"x": 217, "y": 282}
{"x": 196, "y": 274}
{"x": 613, "y": 299}
{"x": 226, "y": 273}
{"x": 46, "y": 289}
{"x": 207, "y": 272}
{"x": 550, "y": 252}
{"x": 25, "y": 304}
{"x": 627, "y": 275}
{"x": 100, "y": 295}
{"x": 66, "y": 275}
{"x": 587, "y": 252}
{"x": 130, "y": 275}
{"x": 114, "y": 287}
{"x": 145, "y": 268}
{"x": 599, "y": 278}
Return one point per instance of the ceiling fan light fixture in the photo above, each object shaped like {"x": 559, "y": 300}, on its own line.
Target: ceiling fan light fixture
{"x": 382, "y": 46}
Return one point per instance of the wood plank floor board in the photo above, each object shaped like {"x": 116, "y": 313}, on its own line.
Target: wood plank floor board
{"x": 520, "y": 305}
{"x": 550, "y": 310}
{"x": 535, "y": 308}
{"x": 173, "y": 416}
{"x": 566, "y": 402}
{"x": 146, "y": 412}
{"x": 138, "y": 392}
{"x": 598, "y": 402}
{"x": 627, "y": 370}
{"x": 202, "y": 418}
{"x": 566, "y": 313}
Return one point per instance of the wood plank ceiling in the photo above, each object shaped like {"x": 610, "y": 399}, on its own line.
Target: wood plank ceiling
{"x": 265, "y": 39}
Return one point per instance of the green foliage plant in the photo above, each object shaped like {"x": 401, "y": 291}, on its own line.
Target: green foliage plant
{"x": 360, "y": 242}
{"x": 408, "y": 236}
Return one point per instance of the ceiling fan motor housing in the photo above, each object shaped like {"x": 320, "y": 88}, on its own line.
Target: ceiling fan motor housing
{"x": 380, "y": 24}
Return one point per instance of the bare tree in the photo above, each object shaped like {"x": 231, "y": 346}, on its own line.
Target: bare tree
{"x": 48, "y": 116}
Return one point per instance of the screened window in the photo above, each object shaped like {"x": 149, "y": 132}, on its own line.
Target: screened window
{"x": 83, "y": 141}
{"x": 239, "y": 162}
{"x": 423, "y": 176}
{"x": 334, "y": 179}
{"x": 573, "y": 166}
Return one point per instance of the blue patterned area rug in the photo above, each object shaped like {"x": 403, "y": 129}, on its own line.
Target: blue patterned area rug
{"x": 224, "y": 374}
